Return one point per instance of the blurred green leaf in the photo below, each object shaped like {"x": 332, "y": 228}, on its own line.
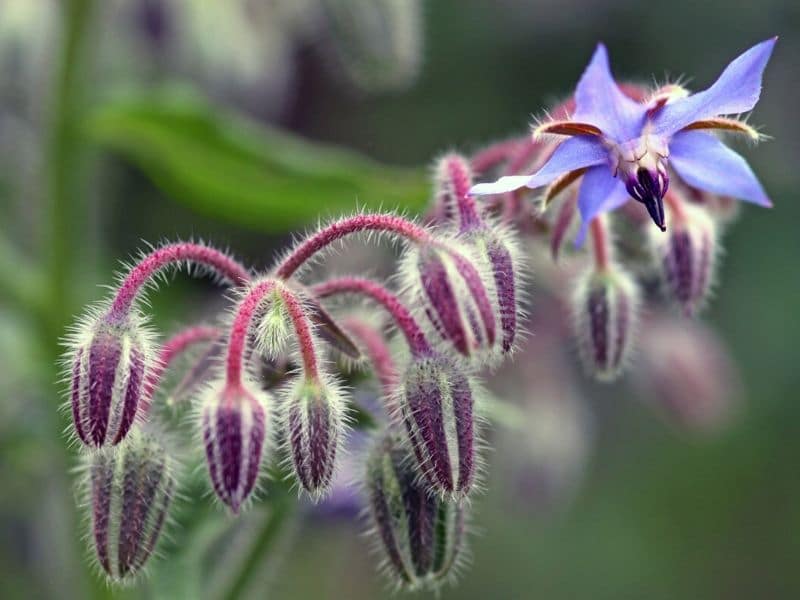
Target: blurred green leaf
{"x": 230, "y": 168}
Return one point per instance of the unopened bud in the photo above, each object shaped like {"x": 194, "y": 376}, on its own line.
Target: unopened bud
{"x": 687, "y": 371}
{"x": 449, "y": 292}
{"x": 420, "y": 536}
{"x": 109, "y": 363}
{"x": 687, "y": 258}
{"x": 436, "y": 406}
{"x": 234, "y": 421}
{"x": 605, "y": 306}
{"x": 130, "y": 489}
{"x": 313, "y": 423}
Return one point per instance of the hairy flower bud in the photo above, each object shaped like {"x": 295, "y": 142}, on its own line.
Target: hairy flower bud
{"x": 605, "y": 306}
{"x": 420, "y": 536}
{"x": 436, "y": 407}
{"x": 688, "y": 373}
{"x": 110, "y": 360}
{"x": 130, "y": 489}
{"x": 313, "y": 422}
{"x": 492, "y": 248}
{"x": 687, "y": 258}
{"x": 233, "y": 422}
{"x": 496, "y": 253}
{"x": 448, "y": 292}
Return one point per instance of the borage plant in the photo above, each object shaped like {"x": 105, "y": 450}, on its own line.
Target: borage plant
{"x": 456, "y": 307}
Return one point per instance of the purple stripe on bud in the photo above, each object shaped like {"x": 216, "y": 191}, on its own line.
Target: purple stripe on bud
{"x": 314, "y": 423}
{"x": 503, "y": 271}
{"x": 605, "y": 314}
{"x": 234, "y": 430}
{"x": 456, "y": 300}
{"x": 437, "y": 411}
{"x": 439, "y": 292}
{"x": 420, "y": 535}
{"x": 107, "y": 380}
{"x": 131, "y": 489}
{"x": 687, "y": 260}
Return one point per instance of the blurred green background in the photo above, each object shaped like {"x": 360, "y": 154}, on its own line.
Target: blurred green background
{"x": 111, "y": 134}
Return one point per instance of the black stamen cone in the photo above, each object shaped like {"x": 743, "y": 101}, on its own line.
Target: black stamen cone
{"x": 650, "y": 192}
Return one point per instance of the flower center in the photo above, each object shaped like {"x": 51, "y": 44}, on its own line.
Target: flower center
{"x": 642, "y": 166}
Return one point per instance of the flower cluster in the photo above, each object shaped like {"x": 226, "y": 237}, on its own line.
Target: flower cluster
{"x": 455, "y": 313}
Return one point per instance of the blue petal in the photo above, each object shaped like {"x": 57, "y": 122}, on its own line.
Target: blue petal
{"x": 704, "y": 162}
{"x": 574, "y": 153}
{"x": 735, "y": 91}
{"x": 600, "y": 192}
{"x": 599, "y": 101}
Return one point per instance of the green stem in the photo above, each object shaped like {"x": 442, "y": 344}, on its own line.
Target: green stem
{"x": 67, "y": 214}
{"x": 281, "y": 509}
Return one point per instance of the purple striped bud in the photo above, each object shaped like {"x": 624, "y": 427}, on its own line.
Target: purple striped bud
{"x": 448, "y": 292}
{"x": 492, "y": 248}
{"x": 313, "y": 423}
{"x": 495, "y": 252}
{"x": 605, "y": 308}
{"x": 420, "y": 536}
{"x": 436, "y": 406}
{"x": 109, "y": 363}
{"x": 130, "y": 489}
{"x": 687, "y": 258}
{"x": 234, "y": 422}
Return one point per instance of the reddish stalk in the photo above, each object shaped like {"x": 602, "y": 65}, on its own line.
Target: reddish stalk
{"x": 240, "y": 328}
{"x": 386, "y": 223}
{"x": 139, "y": 275}
{"x": 461, "y": 180}
{"x": 377, "y": 350}
{"x": 171, "y": 350}
{"x": 400, "y": 314}
{"x": 600, "y": 243}
{"x": 497, "y": 153}
{"x": 302, "y": 329}
{"x": 676, "y": 206}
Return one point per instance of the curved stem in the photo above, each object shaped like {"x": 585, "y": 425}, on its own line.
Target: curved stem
{"x": 240, "y": 328}
{"x": 460, "y": 179}
{"x": 496, "y": 153}
{"x": 400, "y": 314}
{"x": 377, "y": 350}
{"x": 676, "y": 206}
{"x": 386, "y": 223}
{"x": 600, "y": 243}
{"x": 171, "y": 350}
{"x": 302, "y": 329}
{"x": 150, "y": 265}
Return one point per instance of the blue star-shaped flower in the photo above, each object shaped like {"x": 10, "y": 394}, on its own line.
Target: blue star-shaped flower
{"x": 621, "y": 147}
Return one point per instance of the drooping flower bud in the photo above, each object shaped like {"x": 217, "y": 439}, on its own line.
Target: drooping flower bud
{"x": 605, "y": 306}
{"x": 313, "y": 424}
{"x": 688, "y": 373}
{"x": 687, "y": 258}
{"x": 436, "y": 407}
{"x": 491, "y": 247}
{"x": 110, "y": 360}
{"x": 130, "y": 489}
{"x": 234, "y": 421}
{"x": 447, "y": 290}
{"x": 420, "y": 536}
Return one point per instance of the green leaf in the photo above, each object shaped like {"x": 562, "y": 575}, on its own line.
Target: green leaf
{"x": 227, "y": 167}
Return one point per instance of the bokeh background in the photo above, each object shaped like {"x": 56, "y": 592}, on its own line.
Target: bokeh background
{"x": 134, "y": 120}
